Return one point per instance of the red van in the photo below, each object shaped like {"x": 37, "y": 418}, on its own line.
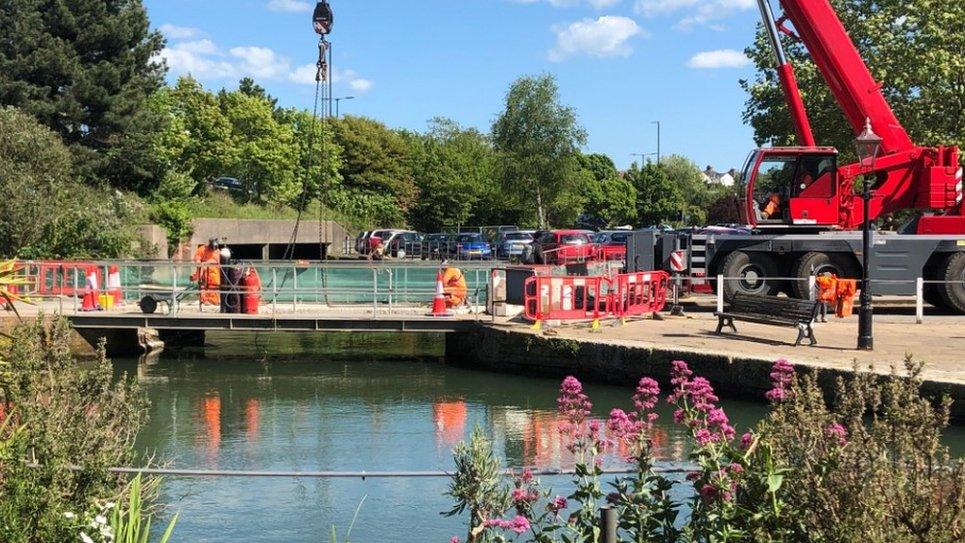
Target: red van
{"x": 565, "y": 247}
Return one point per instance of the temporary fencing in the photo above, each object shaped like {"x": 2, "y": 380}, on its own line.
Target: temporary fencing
{"x": 594, "y": 297}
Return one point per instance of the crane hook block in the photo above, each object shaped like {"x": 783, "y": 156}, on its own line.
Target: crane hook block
{"x": 323, "y": 18}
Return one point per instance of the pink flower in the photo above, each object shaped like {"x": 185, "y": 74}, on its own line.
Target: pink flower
{"x": 726, "y": 496}
{"x": 646, "y": 395}
{"x": 679, "y": 377}
{"x": 782, "y": 373}
{"x": 619, "y": 425}
{"x": 526, "y": 476}
{"x": 746, "y": 440}
{"x": 701, "y": 394}
{"x": 708, "y": 493}
{"x": 736, "y": 468}
{"x": 693, "y": 475}
{"x": 573, "y": 405}
{"x": 837, "y": 433}
{"x": 454, "y": 539}
{"x": 519, "y": 524}
{"x": 558, "y": 504}
{"x": 678, "y": 416}
{"x": 703, "y": 436}
{"x": 520, "y": 495}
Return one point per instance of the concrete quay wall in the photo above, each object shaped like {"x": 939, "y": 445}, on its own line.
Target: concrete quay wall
{"x": 747, "y": 378}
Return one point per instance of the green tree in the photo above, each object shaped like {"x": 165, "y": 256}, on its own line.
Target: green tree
{"x": 684, "y": 173}
{"x": 452, "y": 167}
{"x": 659, "y": 201}
{"x": 34, "y": 176}
{"x": 85, "y": 68}
{"x": 608, "y": 195}
{"x": 319, "y": 162}
{"x": 539, "y": 138}
{"x": 267, "y": 156}
{"x": 195, "y": 136}
{"x": 376, "y": 170}
{"x": 910, "y": 48}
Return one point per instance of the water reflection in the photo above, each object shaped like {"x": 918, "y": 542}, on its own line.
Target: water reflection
{"x": 304, "y": 402}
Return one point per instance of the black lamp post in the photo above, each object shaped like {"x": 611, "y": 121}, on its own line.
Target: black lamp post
{"x": 867, "y": 145}
{"x": 339, "y": 99}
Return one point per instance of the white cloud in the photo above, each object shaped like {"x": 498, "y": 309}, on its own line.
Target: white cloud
{"x": 259, "y": 61}
{"x": 174, "y": 32}
{"x": 693, "y": 12}
{"x": 720, "y": 58}
{"x": 598, "y": 4}
{"x": 306, "y": 76}
{"x": 606, "y": 36}
{"x": 185, "y": 61}
{"x": 290, "y": 6}
{"x": 200, "y": 47}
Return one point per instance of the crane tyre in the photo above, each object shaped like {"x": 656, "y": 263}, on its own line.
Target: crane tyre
{"x": 952, "y": 292}
{"x": 748, "y": 271}
{"x": 932, "y": 296}
{"x": 816, "y": 263}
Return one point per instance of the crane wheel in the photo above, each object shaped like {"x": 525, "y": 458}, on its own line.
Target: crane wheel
{"x": 952, "y": 292}
{"x": 747, "y": 273}
{"x": 816, "y": 263}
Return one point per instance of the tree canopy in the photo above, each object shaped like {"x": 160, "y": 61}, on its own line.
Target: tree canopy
{"x": 85, "y": 69}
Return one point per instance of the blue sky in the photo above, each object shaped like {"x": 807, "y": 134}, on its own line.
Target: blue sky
{"x": 620, "y": 63}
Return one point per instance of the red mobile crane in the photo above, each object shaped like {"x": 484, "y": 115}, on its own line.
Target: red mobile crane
{"x": 809, "y": 226}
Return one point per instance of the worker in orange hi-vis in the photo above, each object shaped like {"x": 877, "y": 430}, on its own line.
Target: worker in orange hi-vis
{"x": 827, "y": 293}
{"x": 454, "y": 286}
{"x": 773, "y": 205}
{"x": 846, "y": 290}
{"x": 208, "y": 275}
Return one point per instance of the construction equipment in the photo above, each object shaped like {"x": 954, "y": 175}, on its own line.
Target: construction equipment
{"x": 803, "y": 207}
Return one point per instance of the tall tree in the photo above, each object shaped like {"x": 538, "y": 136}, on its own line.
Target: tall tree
{"x": 609, "y": 196}
{"x": 319, "y": 158}
{"x": 659, "y": 200}
{"x": 684, "y": 174}
{"x": 911, "y": 48}
{"x": 539, "y": 138}
{"x": 452, "y": 166}
{"x": 376, "y": 170}
{"x": 85, "y": 68}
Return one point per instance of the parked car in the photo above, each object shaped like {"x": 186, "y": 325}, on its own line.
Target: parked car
{"x": 437, "y": 246}
{"x": 362, "y": 242}
{"x": 471, "y": 246}
{"x": 611, "y": 244}
{"x": 564, "y": 246}
{"x": 513, "y": 244}
{"x": 406, "y": 244}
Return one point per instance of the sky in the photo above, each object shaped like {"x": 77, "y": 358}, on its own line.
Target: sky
{"x": 621, "y": 64}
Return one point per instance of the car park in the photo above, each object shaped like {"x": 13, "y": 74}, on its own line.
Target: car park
{"x": 437, "y": 245}
{"x": 407, "y": 244}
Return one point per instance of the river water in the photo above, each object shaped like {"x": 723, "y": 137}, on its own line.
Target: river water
{"x": 347, "y": 402}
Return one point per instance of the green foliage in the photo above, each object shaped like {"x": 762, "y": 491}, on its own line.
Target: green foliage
{"x": 910, "y": 48}
{"x": 71, "y": 414}
{"x": 452, "y": 167}
{"x": 697, "y": 194}
{"x": 85, "y": 68}
{"x": 659, "y": 200}
{"x": 608, "y": 195}
{"x": 319, "y": 159}
{"x": 34, "y": 173}
{"x": 375, "y": 170}
{"x": 131, "y": 523}
{"x": 476, "y": 484}
{"x": 538, "y": 139}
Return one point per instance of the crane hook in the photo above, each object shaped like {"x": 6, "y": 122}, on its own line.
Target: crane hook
{"x": 323, "y": 18}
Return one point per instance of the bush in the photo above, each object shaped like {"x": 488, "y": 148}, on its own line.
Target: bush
{"x": 868, "y": 468}
{"x": 69, "y": 413}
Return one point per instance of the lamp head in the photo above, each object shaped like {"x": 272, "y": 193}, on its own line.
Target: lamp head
{"x": 867, "y": 145}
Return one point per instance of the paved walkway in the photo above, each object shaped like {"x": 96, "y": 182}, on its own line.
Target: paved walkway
{"x": 940, "y": 342}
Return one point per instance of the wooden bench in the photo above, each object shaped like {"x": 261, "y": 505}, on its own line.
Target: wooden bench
{"x": 771, "y": 310}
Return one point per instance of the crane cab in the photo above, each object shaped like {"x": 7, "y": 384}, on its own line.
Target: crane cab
{"x": 791, "y": 186}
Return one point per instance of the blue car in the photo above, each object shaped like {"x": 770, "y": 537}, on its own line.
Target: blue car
{"x": 473, "y": 247}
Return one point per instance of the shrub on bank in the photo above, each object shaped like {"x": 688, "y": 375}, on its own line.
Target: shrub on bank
{"x": 59, "y": 412}
{"x": 868, "y": 466}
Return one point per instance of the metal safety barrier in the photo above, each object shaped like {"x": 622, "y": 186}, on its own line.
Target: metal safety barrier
{"x": 592, "y": 298}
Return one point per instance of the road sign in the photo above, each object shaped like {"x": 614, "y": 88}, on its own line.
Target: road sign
{"x": 678, "y": 261}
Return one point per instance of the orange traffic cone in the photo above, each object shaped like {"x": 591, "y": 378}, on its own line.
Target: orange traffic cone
{"x": 439, "y": 302}
{"x": 114, "y": 283}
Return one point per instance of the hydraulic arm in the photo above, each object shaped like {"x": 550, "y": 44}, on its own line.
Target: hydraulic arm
{"x": 907, "y": 176}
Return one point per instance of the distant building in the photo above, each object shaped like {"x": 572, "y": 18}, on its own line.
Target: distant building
{"x": 713, "y": 177}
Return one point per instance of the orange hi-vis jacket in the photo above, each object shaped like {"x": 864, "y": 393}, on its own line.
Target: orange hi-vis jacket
{"x": 827, "y": 288}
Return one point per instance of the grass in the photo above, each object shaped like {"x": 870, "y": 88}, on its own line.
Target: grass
{"x": 218, "y": 205}
{"x": 131, "y": 524}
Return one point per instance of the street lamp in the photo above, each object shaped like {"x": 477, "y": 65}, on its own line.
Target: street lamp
{"x": 867, "y": 145}
{"x": 643, "y": 156}
{"x": 339, "y": 99}
{"x": 658, "y": 139}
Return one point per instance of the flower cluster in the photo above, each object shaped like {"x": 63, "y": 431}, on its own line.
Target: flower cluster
{"x": 837, "y": 434}
{"x": 633, "y": 428}
{"x": 781, "y": 375}
{"x": 573, "y": 405}
{"x": 518, "y": 524}
{"x": 697, "y": 407}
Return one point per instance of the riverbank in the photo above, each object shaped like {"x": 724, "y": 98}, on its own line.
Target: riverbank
{"x": 737, "y": 365}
